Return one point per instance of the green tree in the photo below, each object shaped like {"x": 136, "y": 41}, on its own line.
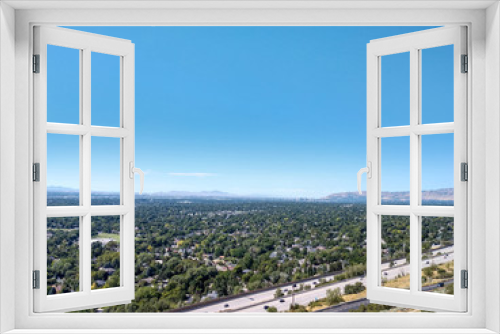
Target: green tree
{"x": 333, "y": 297}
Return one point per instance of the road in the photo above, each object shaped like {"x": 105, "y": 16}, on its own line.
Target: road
{"x": 256, "y": 302}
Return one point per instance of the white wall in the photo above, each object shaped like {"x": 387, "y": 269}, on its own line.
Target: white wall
{"x": 492, "y": 163}
{"x": 7, "y": 160}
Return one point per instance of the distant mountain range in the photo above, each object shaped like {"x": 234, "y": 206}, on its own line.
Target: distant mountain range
{"x": 63, "y": 191}
{"x": 438, "y": 195}
{"x": 397, "y": 197}
{"x": 56, "y": 189}
{"x": 169, "y": 194}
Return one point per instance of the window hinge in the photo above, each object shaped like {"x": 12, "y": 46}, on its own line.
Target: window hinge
{"x": 464, "y": 171}
{"x": 36, "y": 63}
{"x": 36, "y": 172}
{"x": 465, "y": 279}
{"x": 465, "y": 64}
{"x": 36, "y": 279}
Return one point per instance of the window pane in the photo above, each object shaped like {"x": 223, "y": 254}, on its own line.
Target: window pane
{"x": 395, "y": 171}
{"x": 437, "y": 254}
{"x": 437, "y": 169}
{"x": 395, "y": 89}
{"x": 63, "y": 170}
{"x": 437, "y": 84}
{"x": 63, "y": 85}
{"x": 395, "y": 252}
{"x": 63, "y": 255}
{"x": 105, "y": 252}
{"x": 105, "y": 171}
{"x": 105, "y": 90}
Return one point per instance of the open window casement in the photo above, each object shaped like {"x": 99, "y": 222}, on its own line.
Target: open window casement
{"x": 77, "y": 218}
{"x": 451, "y": 260}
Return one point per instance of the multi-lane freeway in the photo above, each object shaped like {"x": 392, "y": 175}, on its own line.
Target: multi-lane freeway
{"x": 257, "y": 302}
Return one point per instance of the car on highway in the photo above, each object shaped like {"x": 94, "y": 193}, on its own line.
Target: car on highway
{"x": 282, "y": 300}
{"x": 385, "y": 273}
{"x": 266, "y": 307}
{"x": 426, "y": 262}
{"x": 226, "y": 305}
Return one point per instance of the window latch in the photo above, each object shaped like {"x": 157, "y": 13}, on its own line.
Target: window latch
{"x": 368, "y": 171}
{"x": 133, "y": 170}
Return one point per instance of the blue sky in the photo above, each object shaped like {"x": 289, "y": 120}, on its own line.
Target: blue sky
{"x": 276, "y": 111}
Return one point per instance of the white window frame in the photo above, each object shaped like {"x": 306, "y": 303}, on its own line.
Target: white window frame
{"x": 414, "y": 43}
{"x": 86, "y": 44}
{"x": 482, "y": 19}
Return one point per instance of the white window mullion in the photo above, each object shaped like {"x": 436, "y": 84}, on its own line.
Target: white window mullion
{"x": 85, "y": 167}
{"x": 80, "y": 130}
{"x": 414, "y": 253}
{"x": 414, "y": 171}
{"x": 67, "y": 129}
{"x": 103, "y": 131}
{"x": 81, "y": 243}
{"x": 86, "y": 256}
{"x": 398, "y": 210}
{"x": 433, "y": 129}
{"x": 85, "y": 162}
{"x": 394, "y": 131}
{"x": 406, "y": 210}
{"x": 421, "y": 129}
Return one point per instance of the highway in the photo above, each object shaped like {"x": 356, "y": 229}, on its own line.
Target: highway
{"x": 256, "y": 302}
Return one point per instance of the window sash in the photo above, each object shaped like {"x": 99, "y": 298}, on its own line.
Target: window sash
{"x": 86, "y": 297}
{"x": 413, "y": 43}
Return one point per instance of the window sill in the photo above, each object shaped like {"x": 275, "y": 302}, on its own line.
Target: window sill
{"x": 251, "y": 331}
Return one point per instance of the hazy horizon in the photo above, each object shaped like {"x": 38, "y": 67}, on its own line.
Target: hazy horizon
{"x": 215, "y": 192}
